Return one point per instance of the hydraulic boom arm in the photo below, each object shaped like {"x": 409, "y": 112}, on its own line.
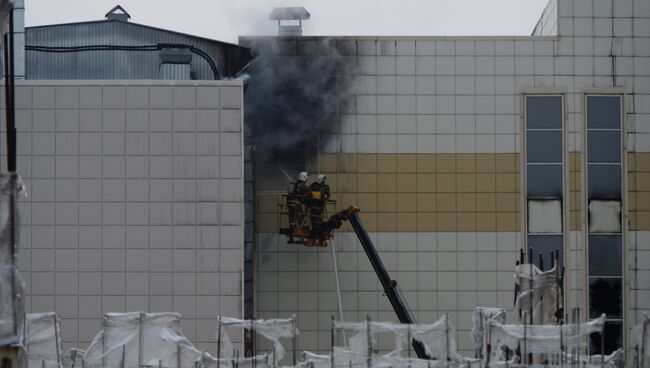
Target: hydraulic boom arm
{"x": 390, "y": 286}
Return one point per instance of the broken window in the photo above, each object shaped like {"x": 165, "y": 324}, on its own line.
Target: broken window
{"x": 605, "y": 255}
{"x": 604, "y": 216}
{"x": 544, "y": 162}
{"x": 604, "y": 198}
{"x": 544, "y": 216}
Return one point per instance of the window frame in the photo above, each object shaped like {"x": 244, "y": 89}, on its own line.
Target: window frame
{"x": 623, "y": 199}
{"x": 544, "y": 92}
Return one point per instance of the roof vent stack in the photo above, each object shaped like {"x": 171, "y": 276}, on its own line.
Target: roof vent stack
{"x": 290, "y": 20}
{"x": 118, "y": 13}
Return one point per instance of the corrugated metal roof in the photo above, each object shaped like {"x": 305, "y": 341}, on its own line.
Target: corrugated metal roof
{"x": 101, "y": 64}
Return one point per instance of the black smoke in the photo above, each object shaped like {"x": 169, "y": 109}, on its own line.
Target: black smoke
{"x": 295, "y": 89}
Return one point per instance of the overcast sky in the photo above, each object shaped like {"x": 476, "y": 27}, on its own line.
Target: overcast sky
{"x": 227, "y": 19}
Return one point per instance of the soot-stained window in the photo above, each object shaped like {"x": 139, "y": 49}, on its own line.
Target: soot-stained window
{"x": 544, "y": 170}
{"x": 604, "y": 202}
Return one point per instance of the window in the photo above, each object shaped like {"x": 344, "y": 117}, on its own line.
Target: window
{"x": 544, "y": 170}
{"x": 604, "y": 209}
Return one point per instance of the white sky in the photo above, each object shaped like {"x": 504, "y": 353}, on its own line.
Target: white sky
{"x": 226, "y": 19}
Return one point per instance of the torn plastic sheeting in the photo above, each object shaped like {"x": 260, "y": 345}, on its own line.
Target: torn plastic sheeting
{"x": 543, "y": 293}
{"x": 437, "y": 338}
{"x": 480, "y": 316}
{"x": 10, "y": 185}
{"x": 133, "y": 339}
{"x": 42, "y": 340}
{"x": 544, "y": 338}
{"x": 346, "y": 358}
{"x": 11, "y": 305}
{"x": 592, "y": 361}
{"x": 641, "y": 339}
{"x": 272, "y": 329}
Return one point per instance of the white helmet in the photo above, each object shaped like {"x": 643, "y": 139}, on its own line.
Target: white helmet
{"x": 320, "y": 179}
{"x": 302, "y": 176}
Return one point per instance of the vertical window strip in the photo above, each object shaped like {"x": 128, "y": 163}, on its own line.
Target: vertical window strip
{"x": 544, "y": 175}
{"x": 604, "y": 194}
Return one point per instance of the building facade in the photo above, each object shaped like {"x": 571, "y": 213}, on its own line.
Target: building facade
{"x": 461, "y": 151}
{"x": 135, "y": 201}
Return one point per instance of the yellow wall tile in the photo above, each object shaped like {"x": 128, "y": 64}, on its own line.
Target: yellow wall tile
{"x": 347, "y": 199}
{"x": 506, "y": 162}
{"x": 631, "y": 201}
{"x": 445, "y": 163}
{"x": 574, "y": 161}
{"x": 486, "y": 163}
{"x": 631, "y": 181}
{"x": 466, "y": 163}
{"x": 387, "y": 163}
{"x": 347, "y": 183}
{"x": 327, "y": 163}
{"x": 507, "y": 182}
{"x": 643, "y": 181}
{"x": 642, "y": 161}
{"x": 426, "y": 202}
{"x": 367, "y": 202}
{"x": 407, "y": 183}
{"x": 485, "y": 202}
{"x": 466, "y": 183}
{"x": 367, "y": 182}
{"x": 445, "y": 221}
{"x": 267, "y": 223}
{"x": 386, "y": 182}
{"x": 507, "y": 221}
{"x": 426, "y": 163}
{"x": 466, "y": 222}
{"x": 406, "y": 163}
{"x": 506, "y": 202}
{"x": 485, "y": 183}
{"x": 407, "y": 222}
{"x": 386, "y": 222}
{"x": 486, "y": 221}
{"x": 426, "y": 182}
{"x": 642, "y": 220}
{"x": 348, "y": 163}
{"x": 446, "y": 202}
{"x": 643, "y": 201}
{"x": 386, "y": 202}
{"x": 406, "y": 202}
{"x": 466, "y": 202}
{"x": 367, "y": 162}
{"x": 631, "y": 161}
{"x": 446, "y": 183}
{"x": 426, "y": 221}
{"x": 574, "y": 220}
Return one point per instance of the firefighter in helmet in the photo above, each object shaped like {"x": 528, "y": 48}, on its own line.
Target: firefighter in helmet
{"x": 296, "y": 198}
{"x": 320, "y": 193}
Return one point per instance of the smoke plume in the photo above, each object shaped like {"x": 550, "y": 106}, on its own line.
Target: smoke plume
{"x": 293, "y": 93}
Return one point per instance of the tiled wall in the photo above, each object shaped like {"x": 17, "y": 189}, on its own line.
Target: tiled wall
{"x": 438, "y": 272}
{"x": 419, "y": 192}
{"x": 424, "y": 121}
{"x": 134, "y": 201}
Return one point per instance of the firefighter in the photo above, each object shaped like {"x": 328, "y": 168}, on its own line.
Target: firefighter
{"x": 320, "y": 193}
{"x": 296, "y": 198}
{"x": 320, "y": 186}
